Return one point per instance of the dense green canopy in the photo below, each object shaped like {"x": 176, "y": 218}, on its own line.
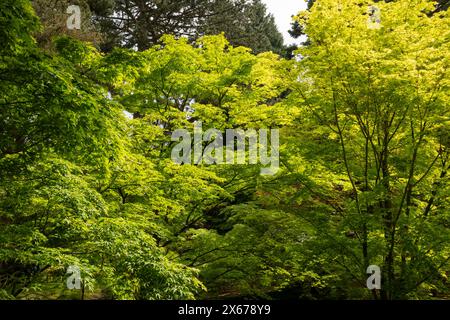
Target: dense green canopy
{"x": 363, "y": 113}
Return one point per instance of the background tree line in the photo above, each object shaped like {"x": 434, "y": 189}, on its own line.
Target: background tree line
{"x": 140, "y": 24}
